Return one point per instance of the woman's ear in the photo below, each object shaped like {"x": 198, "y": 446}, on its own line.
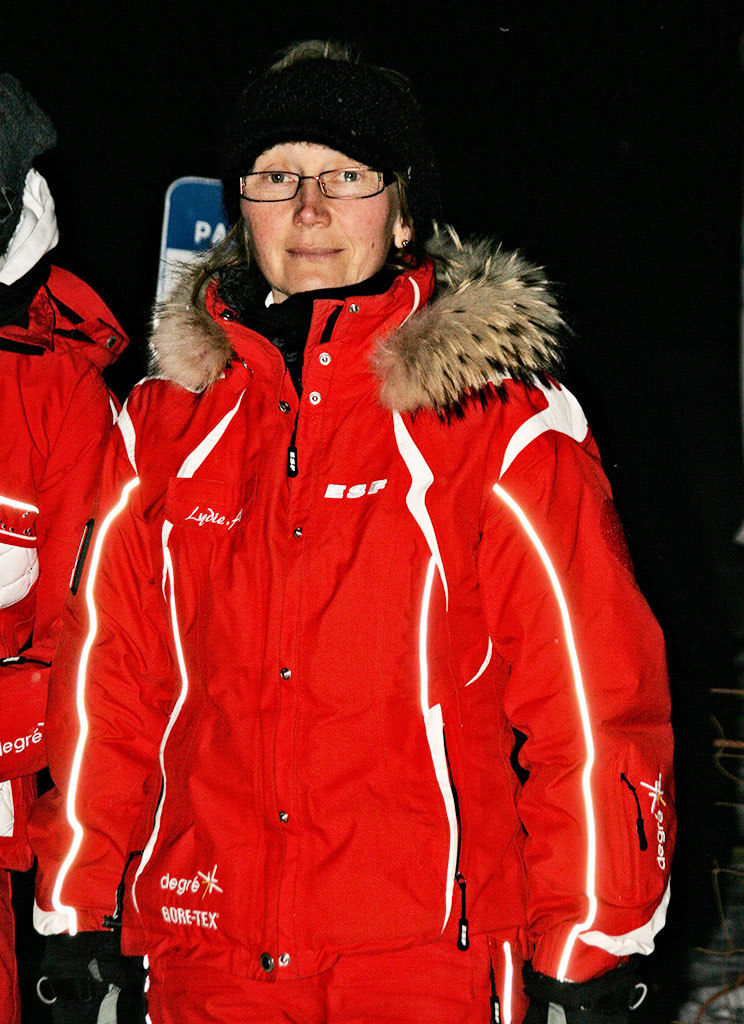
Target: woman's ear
{"x": 402, "y": 234}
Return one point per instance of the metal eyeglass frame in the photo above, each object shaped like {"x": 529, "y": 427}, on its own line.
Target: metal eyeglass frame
{"x": 384, "y": 178}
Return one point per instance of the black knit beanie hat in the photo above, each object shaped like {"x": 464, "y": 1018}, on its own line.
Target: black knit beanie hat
{"x": 367, "y": 113}
{"x": 25, "y": 133}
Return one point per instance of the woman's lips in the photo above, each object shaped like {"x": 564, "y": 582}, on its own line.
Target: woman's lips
{"x": 313, "y": 254}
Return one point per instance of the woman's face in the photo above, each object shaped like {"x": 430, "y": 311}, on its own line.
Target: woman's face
{"x": 313, "y": 242}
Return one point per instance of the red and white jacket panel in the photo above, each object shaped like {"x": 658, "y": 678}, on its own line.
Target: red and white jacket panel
{"x": 296, "y": 695}
{"x": 56, "y": 417}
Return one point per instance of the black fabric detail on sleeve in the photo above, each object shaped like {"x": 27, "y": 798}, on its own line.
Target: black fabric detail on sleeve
{"x": 17, "y": 297}
{"x": 6, "y": 345}
{"x": 81, "y": 556}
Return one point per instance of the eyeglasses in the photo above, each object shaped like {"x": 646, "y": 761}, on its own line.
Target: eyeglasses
{"x": 344, "y": 183}
{"x": 7, "y": 195}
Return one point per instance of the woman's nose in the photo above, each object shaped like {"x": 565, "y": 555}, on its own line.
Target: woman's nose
{"x": 312, "y": 205}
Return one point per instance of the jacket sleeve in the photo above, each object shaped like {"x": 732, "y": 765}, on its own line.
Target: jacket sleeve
{"x": 65, "y": 495}
{"x": 588, "y": 688}
{"x": 111, "y": 690}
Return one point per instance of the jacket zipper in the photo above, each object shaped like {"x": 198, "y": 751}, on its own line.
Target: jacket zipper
{"x": 113, "y": 921}
{"x": 20, "y": 659}
{"x": 292, "y": 468}
{"x": 642, "y": 841}
{"x": 463, "y": 927}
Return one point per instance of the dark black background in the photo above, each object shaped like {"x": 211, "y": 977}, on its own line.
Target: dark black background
{"x": 602, "y": 140}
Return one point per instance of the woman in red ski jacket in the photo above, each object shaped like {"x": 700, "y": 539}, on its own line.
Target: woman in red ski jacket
{"x": 352, "y": 539}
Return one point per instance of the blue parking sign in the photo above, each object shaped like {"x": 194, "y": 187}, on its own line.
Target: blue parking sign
{"x": 194, "y": 219}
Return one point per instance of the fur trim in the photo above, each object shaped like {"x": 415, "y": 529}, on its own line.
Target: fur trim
{"x": 186, "y": 345}
{"x": 492, "y": 317}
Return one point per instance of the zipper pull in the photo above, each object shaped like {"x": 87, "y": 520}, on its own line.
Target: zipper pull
{"x": 463, "y": 941}
{"x": 113, "y": 921}
{"x": 642, "y": 841}
{"x": 292, "y": 450}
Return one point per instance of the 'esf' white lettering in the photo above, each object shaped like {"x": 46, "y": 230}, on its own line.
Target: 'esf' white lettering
{"x": 210, "y": 516}
{"x": 357, "y": 491}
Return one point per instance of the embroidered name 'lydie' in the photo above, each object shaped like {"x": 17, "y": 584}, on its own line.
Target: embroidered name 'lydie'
{"x": 210, "y": 516}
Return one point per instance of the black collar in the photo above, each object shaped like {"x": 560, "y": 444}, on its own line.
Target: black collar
{"x": 286, "y": 324}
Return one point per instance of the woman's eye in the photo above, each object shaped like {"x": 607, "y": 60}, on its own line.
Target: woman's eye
{"x": 276, "y": 177}
{"x": 344, "y": 176}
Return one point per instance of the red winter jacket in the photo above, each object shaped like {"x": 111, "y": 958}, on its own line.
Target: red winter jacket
{"x": 56, "y": 417}
{"x": 297, "y": 695}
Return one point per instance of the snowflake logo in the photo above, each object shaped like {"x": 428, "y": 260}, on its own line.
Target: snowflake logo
{"x": 209, "y": 881}
{"x": 656, "y": 793}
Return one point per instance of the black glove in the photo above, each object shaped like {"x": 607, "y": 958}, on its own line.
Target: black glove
{"x": 86, "y": 980}
{"x": 607, "y": 999}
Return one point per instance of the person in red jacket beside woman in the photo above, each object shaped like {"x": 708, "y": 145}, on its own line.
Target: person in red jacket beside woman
{"x": 56, "y": 415}
{"x": 352, "y": 538}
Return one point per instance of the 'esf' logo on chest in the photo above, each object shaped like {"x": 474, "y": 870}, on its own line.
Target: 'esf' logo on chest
{"x": 356, "y": 491}
{"x": 202, "y": 516}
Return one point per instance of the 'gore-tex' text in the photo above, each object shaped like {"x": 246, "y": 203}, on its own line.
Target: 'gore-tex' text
{"x": 183, "y": 915}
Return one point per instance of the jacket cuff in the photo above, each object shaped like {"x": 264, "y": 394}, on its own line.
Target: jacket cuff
{"x": 52, "y": 922}
{"x": 584, "y": 963}
{"x": 609, "y": 996}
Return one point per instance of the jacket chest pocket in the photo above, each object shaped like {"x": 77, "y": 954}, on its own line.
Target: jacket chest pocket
{"x": 214, "y": 509}
{"x": 210, "y": 532}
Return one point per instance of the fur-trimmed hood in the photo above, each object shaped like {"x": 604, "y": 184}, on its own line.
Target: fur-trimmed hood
{"x": 492, "y": 316}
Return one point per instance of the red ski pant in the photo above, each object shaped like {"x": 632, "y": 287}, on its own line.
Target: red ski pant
{"x": 10, "y": 1006}
{"x": 436, "y": 983}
